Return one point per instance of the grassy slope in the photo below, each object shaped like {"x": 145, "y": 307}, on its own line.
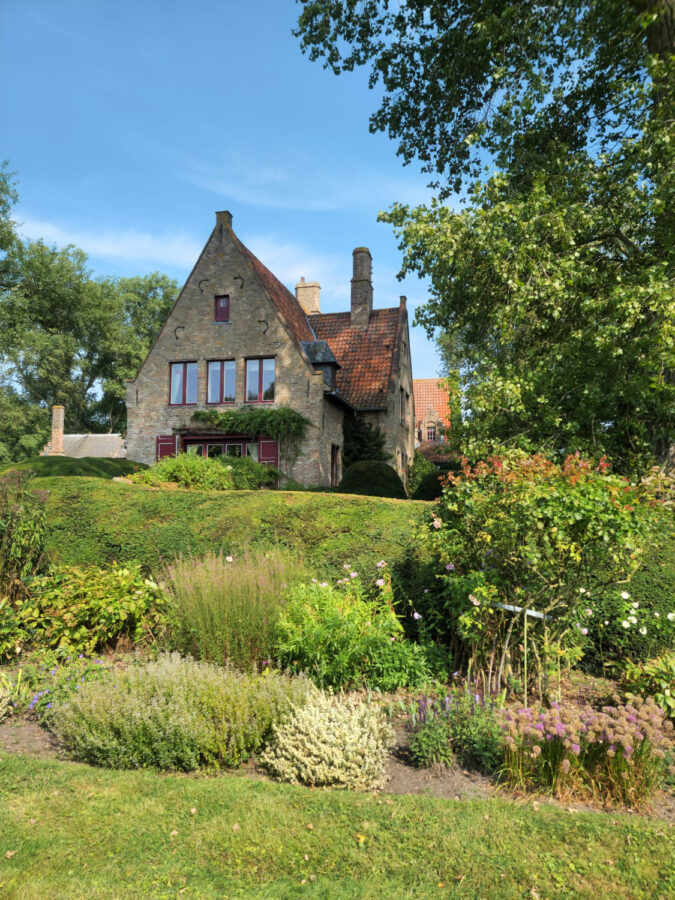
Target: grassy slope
{"x": 79, "y": 832}
{"x": 91, "y": 521}
{"x": 65, "y": 466}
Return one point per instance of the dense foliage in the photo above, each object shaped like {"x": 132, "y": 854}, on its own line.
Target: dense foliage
{"x": 327, "y": 743}
{"x": 519, "y": 533}
{"x": 362, "y": 440}
{"x": 653, "y": 678}
{"x": 429, "y": 488}
{"x": 175, "y": 714}
{"x": 79, "y": 610}
{"x": 222, "y": 473}
{"x": 67, "y": 466}
{"x": 341, "y": 637}
{"x": 419, "y": 469}
{"x": 372, "y": 478}
{"x": 458, "y": 725}
{"x": 22, "y": 533}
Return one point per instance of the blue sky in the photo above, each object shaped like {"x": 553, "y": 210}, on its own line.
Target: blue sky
{"x": 129, "y": 123}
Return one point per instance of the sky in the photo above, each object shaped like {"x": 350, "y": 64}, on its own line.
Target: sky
{"x": 128, "y": 123}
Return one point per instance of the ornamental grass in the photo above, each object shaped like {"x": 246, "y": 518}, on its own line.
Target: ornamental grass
{"x": 618, "y": 753}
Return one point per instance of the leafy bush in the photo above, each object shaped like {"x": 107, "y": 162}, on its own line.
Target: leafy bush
{"x": 175, "y": 714}
{"x": 222, "y": 473}
{"x": 466, "y": 722}
{"x": 373, "y": 479}
{"x": 68, "y": 466}
{"x": 517, "y": 533}
{"x": 52, "y": 683}
{"x": 429, "y": 487}
{"x": 81, "y": 610}
{"x": 418, "y": 470}
{"x": 22, "y": 531}
{"x": 649, "y": 600}
{"x": 332, "y": 744}
{"x": 654, "y": 678}
{"x": 362, "y": 440}
{"x": 226, "y": 607}
{"x": 617, "y": 753}
{"x": 341, "y": 638}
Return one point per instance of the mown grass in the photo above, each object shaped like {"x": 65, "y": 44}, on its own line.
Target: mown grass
{"x": 91, "y": 522}
{"x": 70, "y": 831}
{"x": 65, "y": 466}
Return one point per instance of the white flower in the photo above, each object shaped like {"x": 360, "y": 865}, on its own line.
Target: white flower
{"x": 632, "y": 619}
{"x": 589, "y": 612}
{"x": 625, "y": 595}
{"x": 625, "y": 624}
{"x": 670, "y": 617}
{"x": 606, "y": 621}
{"x": 643, "y": 630}
{"x": 657, "y": 615}
{"x": 229, "y": 559}
{"x": 635, "y": 605}
{"x": 582, "y": 590}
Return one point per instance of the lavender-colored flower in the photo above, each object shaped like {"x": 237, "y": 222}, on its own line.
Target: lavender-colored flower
{"x": 353, "y": 574}
{"x": 450, "y": 567}
{"x": 576, "y": 749}
{"x": 589, "y": 612}
{"x": 380, "y": 582}
{"x": 324, "y": 584}
{"x": 416, "y": 615}
{"x": 426, "y": 590}
{"x": 381, "y": 564}
{"x": 584, "y": 630}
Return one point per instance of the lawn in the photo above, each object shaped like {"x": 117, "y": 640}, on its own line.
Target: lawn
{"x": 71, "y": 831}
{"x": 93, "y": 522}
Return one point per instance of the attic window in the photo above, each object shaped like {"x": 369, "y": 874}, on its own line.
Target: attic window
{"x": 222, "y": 308}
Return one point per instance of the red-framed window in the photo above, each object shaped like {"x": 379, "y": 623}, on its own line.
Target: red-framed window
{"x": 260, "y": 380}
{"x": 221, "y": 381}
{"x": 183, "y": 384}
{"x": 222, "y": 302}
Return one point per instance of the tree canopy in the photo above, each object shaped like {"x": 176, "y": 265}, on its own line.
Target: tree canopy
{"x": 553, "y": 286}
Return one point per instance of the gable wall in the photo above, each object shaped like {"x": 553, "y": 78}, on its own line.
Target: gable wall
{"x": 254, "y": 329}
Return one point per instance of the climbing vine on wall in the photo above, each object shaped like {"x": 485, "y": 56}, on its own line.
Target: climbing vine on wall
{"x": 286, "y": 425}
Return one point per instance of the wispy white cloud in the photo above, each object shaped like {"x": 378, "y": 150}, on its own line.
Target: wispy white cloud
{"x": 169, "y": 249}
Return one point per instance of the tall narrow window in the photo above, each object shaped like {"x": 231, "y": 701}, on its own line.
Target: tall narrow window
{"x": 223, "y": 308}
{"x": 221, "y": 384}
{"x": 260, "y": 380}
{"x": 183, "y": 390}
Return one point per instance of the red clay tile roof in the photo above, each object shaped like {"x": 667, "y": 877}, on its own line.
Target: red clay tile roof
{"x": 291, "y": 311}
{"x": 430, "y": 392}
{"x": 366, "y": 356}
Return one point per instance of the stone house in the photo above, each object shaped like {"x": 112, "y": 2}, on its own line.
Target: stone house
{"x": 237, "y": 336}
{"x": 79, "y": 446}
{"x": 432, "y": 410}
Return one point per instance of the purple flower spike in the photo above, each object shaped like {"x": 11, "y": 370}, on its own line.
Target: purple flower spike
{"x": 450, "y": 567}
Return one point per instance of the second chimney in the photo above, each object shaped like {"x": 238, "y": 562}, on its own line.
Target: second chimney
{"x": 362, "y": 288}
{"x": 58, "y": 415}
{"x": 308, "y": 295}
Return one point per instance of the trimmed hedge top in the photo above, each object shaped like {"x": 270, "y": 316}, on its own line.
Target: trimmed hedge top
{"x": 372, "y": 478}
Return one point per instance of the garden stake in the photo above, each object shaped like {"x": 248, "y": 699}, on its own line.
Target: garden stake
{"x": 525, "y": 660}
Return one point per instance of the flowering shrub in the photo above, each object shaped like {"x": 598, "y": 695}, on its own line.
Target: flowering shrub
{"x": 517, "y": 533}
{"x": 341, "y": 637}
{"x": 461, "y": 725}
{"x": 222, "y": 473}
{"x": 617, "y": 752}
{"x": 332, "y": 744}
{"x": 175, "y": 714}
{"x": 654, "y": 678}
{"x": 55, "y": 680}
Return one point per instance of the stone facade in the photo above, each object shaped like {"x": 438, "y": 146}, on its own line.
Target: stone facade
{"x": 265, "y": 321}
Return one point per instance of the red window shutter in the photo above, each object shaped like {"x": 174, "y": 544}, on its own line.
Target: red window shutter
{"x": 166, "y": 445}
{"x": 269, "y": 453}
{"x": 223, "y": 308}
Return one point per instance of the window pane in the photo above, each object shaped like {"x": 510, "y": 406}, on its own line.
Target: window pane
{"x": 177, "y": 382}
{"x": 230, "y": 374}
{"x": 214, "y": 450}
{"x": 233, "y": 450}
{"x": 197, "y": 449}
{"x": 214, "y": 383}
{"x": 252, "y": 368}
{"x": 191, "y": 391}
{"x": 252, "y": 451}
{"x": 268, "y": 379}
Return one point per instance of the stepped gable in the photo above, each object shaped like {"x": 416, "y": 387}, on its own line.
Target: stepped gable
{"x": 366, "y": 356}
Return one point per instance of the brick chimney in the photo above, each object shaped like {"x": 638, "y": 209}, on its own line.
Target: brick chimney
{"x": 224, "y": 217}
{"x": 362, "y": 288}
{"x": 308, "y": 295}
{"x": 58, "y": 414}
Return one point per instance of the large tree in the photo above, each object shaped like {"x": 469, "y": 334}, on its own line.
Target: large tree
{"x": 66, "y": 337}
{"x": 553, "y": 289}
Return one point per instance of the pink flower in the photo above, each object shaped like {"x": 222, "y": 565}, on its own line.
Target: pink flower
{"x": 381, "y": 564}
{"x": 416, "y": 615}
{"x": 380, "y": 582}
{"x": 353, "y": 574}
{"x": 436, "y": 523}
{"x": 584, "y": 630}
{"x": 589, "y": 612}
{"x": 229, "y": 559}
{"x": 474, "y": 600}
{"x": 450, "y": 567}
{"x": 324, "y": 584}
